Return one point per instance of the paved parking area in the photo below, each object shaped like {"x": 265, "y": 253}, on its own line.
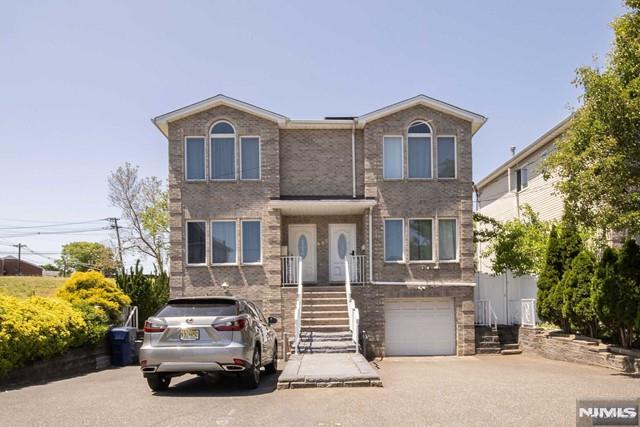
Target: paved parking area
{"x": 489, "y": 390}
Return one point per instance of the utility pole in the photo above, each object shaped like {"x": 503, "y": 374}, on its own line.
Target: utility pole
{"x": 19, "y": 246}
{"x": 114, "y": 225}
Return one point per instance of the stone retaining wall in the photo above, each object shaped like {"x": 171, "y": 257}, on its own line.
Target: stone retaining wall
{"x": 577, "y": 349}
{"x": 74, "y": 362}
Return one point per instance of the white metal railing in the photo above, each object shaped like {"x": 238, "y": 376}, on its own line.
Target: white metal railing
{"x": 130, "y": 316}
{"x": 297, "y": 317}
{"x": 485, "y": 316}
{"x": 354, "y": 313}
{"x": 528, "y": 312}
{"x": 357, "y": 268}
{"x": 290, "y": 269}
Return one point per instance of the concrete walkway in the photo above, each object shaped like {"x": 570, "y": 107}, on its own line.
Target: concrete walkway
{"x": 328, "y": 370}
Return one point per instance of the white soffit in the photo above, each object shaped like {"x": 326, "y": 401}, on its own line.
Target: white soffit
{"x": 322, "y": 207}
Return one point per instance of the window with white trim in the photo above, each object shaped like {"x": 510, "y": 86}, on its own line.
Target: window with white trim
{"x": 446, "y": 157}
{"x": 251, "y": 242}
{"x": 393, "y": 240}
{"x": 420, "y": 240}
{"x": 419, "y": 150}
{"x": 447, "y": 239}
{"x": 196, "y": 242}
{"x": 223, "y": 152}
{"x": 250, "y": 158}
{"x": 392, "y": 157}
{"x": 223, "y": 242}
{"x": 194, "y": 158}
{"x": 522, "y": 178}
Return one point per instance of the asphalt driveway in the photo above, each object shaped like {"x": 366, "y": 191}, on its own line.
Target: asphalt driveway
{"x": 489, "y": 390}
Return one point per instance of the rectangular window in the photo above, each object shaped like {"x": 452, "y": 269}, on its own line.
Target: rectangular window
{"x": 250, "y": 157}
{"x": 251, "y": 246}
{"x": 194, "y": 154}
{"x": 392, "y": 157}
{"x": 196, "y": 242}
{"x": 223, "y": 158}
{"x": 419, "y": 157}
{"x": 420, "y": 240}
{"x": 223, "y": 243}
{"x": 446, "y": 157}
{"x": 447, "y": 239}
{"x": 522, "y": 178}
{"x": 393, "y": 240}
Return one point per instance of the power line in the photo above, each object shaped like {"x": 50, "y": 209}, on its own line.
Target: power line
{"x": 51, "y": 225}
{"x": 39, "y": 233}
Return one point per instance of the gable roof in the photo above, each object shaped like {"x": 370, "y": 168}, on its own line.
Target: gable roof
{"x": 547, "y": 137}
{"x": 162, "y": 121}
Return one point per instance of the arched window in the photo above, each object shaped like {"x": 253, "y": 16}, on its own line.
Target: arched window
{"x": 419, "y": 150}
{"x": 223, "y": 151}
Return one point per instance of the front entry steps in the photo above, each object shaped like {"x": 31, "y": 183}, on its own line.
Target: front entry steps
{"x": 326, "y": 342}
{"x": 502, "y": 341}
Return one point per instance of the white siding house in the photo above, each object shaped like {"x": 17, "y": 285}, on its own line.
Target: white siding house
{"x": 501, "y": 195}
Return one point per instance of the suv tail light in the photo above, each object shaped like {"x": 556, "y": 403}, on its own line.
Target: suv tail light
{"x": 233, "y": 325}
{"x": 151, "y": 326}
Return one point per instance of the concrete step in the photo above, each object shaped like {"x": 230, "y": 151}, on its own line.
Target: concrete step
{"x": 489, "y": 350}
{"x": 325, "y": 328}
{"x": 513, "y": 346}
{"x": 325, "y": 321}
{"x": 328, "y": 347}
{"x": 324, "y": 307}
{"x": 487, "y": 339}
{"x": 487, "y": 344}
{"x": 325, "y": 293}
{"x": 324, "y": 336}
{"x": 510, "y": 352}
{"x": 309, "y": 314}
{"x": 323, "y": 300}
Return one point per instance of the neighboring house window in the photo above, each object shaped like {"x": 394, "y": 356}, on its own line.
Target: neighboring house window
{"x": 522, "y": 178}
{"x": 223, "y": 152}
{"x": 419, "y": 155}
{"x": 196, "y": 242}
{"x": 393, "y": 240}
{"x": 447, "y": 239}
{"x": 392, "y": 157}
{"x": 250, "y": 157}
{"x": 446, "y": 157}
{"x": 420, "y": 240}
{"x": 251, "y": 246}
{"x": 194, "y": 155}
{"x": 223, "y": 244}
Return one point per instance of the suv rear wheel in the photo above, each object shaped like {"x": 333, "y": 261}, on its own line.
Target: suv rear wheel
{"x": 252, "y": 376}
{"x": 272, "y": 367}
{"x": 158, "y": 382}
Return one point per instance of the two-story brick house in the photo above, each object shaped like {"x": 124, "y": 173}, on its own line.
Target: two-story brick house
{"x": 258, "y": 200}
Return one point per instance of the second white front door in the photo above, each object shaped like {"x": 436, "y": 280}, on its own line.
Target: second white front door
{"x": 302, "y": 243}
{"x": 342, "y": 242}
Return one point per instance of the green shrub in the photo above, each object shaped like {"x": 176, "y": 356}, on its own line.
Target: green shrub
{"x": 148, "y": 293}
{"x": 37, "y": 328}
{"x": 576, "y": 286}
{"x": 92, "y": 288}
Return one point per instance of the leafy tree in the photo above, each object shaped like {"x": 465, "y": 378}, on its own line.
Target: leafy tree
{"x": 50, "y": 267}
{"x": 616, "y": 293}
{"x": 577, "y": 306}
{"x": 86, "y": 256}
{"x": 597, "y": 159}
{"x": 145, "y": 209}
{"x": 517, "y": 245}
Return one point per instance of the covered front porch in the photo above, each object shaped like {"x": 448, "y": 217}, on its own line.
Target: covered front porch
{"x": 319, "y": 235}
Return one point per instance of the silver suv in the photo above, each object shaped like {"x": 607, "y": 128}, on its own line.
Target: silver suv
{"x": 205, "y": 335}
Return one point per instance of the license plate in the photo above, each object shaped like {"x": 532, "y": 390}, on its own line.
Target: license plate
{"x": 189, "y": 334}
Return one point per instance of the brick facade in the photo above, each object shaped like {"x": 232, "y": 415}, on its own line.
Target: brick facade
{"x": 318, "y": 162}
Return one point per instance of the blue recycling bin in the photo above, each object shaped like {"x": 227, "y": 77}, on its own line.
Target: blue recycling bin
{"x": 123, "y": 345}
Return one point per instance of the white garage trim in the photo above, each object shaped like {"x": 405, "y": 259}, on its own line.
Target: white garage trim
{"x": 420, "y": 326}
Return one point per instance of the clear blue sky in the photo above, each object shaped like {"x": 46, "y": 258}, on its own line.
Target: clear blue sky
{"x": 79, "y": 81}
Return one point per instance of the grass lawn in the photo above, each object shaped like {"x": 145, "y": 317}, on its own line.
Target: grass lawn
{"x": 24, "y": 286}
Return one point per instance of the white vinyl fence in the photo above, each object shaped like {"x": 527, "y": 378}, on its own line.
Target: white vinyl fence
{"x": 512, "y": 298}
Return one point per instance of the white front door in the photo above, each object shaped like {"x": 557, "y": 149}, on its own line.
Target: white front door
{"x": 419, "y": 327}
{"x": 302, "y": 243}
{"x": 342, "y": 242}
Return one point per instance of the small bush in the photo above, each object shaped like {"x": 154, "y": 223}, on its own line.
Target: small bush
{"x": 92, "y": 288}
{"x": 37, "y": 328}
{"x": 148, "y": 293}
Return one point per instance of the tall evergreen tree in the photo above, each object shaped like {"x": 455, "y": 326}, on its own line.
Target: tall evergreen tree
{"x": 549, "y": 276}
{"x": 577, "y": 306}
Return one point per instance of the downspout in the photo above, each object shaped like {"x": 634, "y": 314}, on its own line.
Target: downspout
{"x": 370, "y": 245}
{"x": 353, "y": 156}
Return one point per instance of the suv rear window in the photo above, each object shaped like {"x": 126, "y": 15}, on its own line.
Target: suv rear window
{"x": 195, "y": 309}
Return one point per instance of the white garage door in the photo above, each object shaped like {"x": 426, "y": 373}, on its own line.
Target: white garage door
{"x": 419, "y": 327}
